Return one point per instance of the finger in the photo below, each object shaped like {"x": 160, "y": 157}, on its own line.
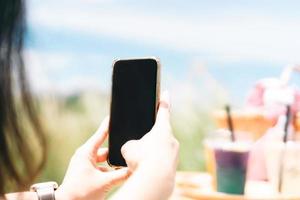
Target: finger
{"x": 129, "y": 149}
{"x": 163, "y": 113}
{"x": 94, "y": 143}
{"x": 116, "y": 176}
{"x": 102, "y": 154}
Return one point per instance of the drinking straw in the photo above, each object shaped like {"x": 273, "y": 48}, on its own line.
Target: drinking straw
{"x": 229, "y": 123}
{"x": 286, "y": 126}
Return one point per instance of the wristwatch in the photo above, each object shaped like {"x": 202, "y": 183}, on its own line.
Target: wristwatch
{"x": 45, "y": 191}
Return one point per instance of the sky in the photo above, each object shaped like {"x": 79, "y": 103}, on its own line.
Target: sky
{"x": 205, "y": 47}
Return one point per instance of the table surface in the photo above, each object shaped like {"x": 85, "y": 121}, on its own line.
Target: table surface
{"x": 198, "y": 185}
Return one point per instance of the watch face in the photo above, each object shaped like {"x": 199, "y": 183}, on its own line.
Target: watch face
{"x": 45, "y": 191}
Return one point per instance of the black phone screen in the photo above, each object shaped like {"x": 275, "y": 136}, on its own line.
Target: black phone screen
{"x": 133, "y": 104}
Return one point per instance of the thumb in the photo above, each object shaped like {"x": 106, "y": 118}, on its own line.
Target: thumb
{"x": 131, "y": 153}
{"x": 114, "y": 177}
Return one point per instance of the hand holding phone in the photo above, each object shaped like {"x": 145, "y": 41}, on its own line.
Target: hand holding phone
{"x": 158, "y": 147}
{"x": 85, "y": 173}
{"x": 152, "y": 160}
{"x": 134, "y": 103}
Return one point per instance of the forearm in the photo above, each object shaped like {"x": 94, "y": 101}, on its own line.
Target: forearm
{"x": 147, "y": 184}
{"x": 21, "y": 196}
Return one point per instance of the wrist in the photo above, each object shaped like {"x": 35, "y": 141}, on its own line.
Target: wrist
{"x": 62, "y": 194}
{"x": 31, "y": 195}
{"x": 59, "y": 195}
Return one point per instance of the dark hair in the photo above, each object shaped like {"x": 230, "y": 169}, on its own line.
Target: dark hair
{"x": 22, "y": 139}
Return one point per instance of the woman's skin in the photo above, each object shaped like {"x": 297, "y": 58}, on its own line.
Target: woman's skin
{"x": 151, "y": 161}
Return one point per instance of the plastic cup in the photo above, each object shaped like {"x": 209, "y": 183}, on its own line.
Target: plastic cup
{"x": 285, "y": 156}
{"x": 231, "y": 167}
{"x": 216, "y": 140}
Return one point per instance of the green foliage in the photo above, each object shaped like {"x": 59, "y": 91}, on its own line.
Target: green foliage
{"x": 190, "y": 128}
{"x": 74, "y": 103}
{"x": 71, "y": 120}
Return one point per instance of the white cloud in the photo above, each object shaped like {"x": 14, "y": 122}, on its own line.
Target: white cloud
{"x": 249, "y": 37}
{"x": 36, "y": 72}
{"x": 42, "y": 69}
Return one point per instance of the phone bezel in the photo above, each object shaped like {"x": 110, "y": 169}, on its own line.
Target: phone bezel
{"x": 158, "y": 76}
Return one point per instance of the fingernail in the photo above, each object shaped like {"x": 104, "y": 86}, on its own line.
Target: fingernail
{"x": 165, "y": 100}
{"x": 123, "y": 169}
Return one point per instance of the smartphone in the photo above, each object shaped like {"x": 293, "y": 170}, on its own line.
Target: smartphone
{"x": 134, "y": 103}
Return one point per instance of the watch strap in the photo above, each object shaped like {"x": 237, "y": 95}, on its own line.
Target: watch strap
{"x": 45, "y": 191}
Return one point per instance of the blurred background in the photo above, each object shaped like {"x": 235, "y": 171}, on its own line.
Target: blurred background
{"x": 212, "y": 53}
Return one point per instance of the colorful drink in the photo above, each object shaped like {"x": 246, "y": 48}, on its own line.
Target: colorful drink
{"x": 231, "y": 167}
